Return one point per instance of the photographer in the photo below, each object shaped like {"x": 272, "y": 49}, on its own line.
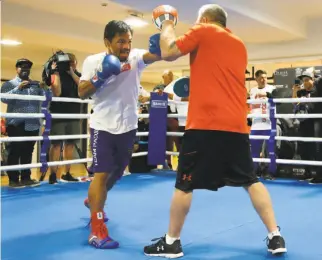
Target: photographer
{"x": 310, "y": 127}
{"x": 60, "y": 73}
{"x": 21, "y": 152}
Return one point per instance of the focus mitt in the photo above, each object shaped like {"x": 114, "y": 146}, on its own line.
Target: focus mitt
{"x": 181, "y": 87}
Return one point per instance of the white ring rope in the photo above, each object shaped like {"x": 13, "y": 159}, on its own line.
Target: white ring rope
{"x": 85, "y": 136}
{"x": 279, "y": 161}
{"x": 77, "y": 100}
{"x": 40, "y": 115}
{"x": 86, "y": 116}
{"x": 56, "y": 163}
{"x": 43, "y": 98}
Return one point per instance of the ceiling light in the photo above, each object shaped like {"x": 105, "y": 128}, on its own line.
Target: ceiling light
{"x": 136, "y": 20}
{"x": 10, "y": 42}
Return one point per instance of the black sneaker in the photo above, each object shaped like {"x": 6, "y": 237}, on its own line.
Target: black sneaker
{"x": 68, "y": 178}
{"x": 16, "y": 185}
{"x": 30, "y": 183}
{"x": 162, "y": 249}
{"x": 276, "y": 245}
{"x": 52, "y": 178}
{"x": 315, "y": 181}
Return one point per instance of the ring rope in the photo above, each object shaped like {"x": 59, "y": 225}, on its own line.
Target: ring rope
{"x": 56, "y": 163}
{"x": 86, "y": 116}
{"x": 85, "y": 136}
{"x": 76, "y": 100}
{"x": 267, "y": 160}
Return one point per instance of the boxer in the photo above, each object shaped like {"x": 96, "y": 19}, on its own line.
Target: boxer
{"x": 215, "y": 150}
{"x": 112, "y": 79}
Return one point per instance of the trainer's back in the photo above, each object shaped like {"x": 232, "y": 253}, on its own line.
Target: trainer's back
{"x": 217, "y": 79}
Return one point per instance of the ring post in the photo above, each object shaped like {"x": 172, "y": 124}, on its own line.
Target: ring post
{"x": 46, "y": 132}
{"x": 271, "y": 142}
{"x": 157, "y": 128}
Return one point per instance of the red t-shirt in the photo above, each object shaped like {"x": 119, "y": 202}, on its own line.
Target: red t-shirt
{"x": 218, "y": 60}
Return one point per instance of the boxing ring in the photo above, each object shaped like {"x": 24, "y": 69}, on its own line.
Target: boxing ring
{"x": 50, "y": 221}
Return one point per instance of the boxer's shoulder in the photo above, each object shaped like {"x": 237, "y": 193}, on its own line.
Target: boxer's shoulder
{"x": 95, "y": 57}
{"x": 136, "y": 54}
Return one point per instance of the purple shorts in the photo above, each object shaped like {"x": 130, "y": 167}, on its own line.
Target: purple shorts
{"x": 111, "y": 152}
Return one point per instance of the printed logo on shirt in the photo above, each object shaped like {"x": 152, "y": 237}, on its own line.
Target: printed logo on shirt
{"x": 126, "y": 67}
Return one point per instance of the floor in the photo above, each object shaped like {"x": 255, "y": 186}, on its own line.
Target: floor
{"x": 49, "y": 222}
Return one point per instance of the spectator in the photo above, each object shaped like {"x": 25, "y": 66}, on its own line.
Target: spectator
{"x": 64, "y": 83}
{"x": 21, "y": 152}
{"x": 260, "y": 126}
{"x": 310, "y": 127}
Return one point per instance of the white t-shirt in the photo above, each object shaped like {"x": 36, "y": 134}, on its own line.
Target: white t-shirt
{"x": 143, "y": 92}
{"x": 169, "y": 89}
{"x": 115, "y": 103}
{"x": 182, "y": 109}
{"x": 260, "y": 109}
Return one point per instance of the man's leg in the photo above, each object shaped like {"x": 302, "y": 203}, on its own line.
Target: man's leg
{"x": 71, "y": 128}
{"x": 54, "y": 156}
{"x": 240, "y": 173}
{"x": 103, "y": 148}
{"x": 57, "y": 128}
{"x": 180, "y": 206}
{"x": 26, "y": 158}
{"x": 262, "y": 203}
{"x": 14, "y": 155}
{"x": 170, "y": 245}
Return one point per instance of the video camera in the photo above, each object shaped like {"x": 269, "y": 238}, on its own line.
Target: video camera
{"x": 62, "y": 61}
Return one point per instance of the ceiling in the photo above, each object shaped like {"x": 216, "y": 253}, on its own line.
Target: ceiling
{"x": 272, "y": 30}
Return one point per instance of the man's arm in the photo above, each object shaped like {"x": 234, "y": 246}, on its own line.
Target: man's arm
{"x": 76, "y": 76}
{"x": 172, "y": 47}
{"x": 150, "y": 58}
{"x": 85, "y": 87}
{"x": 169, "y": 49}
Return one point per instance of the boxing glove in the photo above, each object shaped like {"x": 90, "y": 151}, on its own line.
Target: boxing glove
{"x": 154, "y": 44}
{"x": 109, "y": 66}
{"x": 163, "y": 13}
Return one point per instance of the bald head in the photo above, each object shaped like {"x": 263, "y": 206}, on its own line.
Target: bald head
{"x": 167, "y": 77}
{"x": 212, "y": 13}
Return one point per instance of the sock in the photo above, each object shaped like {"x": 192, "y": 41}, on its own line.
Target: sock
{"x": 97, "y": 217}
{"x": 274, "y": 234}
{"x": 170, "y": 240}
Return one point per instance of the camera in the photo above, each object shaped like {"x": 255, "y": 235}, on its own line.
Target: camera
{"x": 62, "y": 61}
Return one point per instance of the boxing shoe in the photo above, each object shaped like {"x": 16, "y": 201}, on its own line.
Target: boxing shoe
{"x": 99, "y": 237}
{"x": 86, "y": 203}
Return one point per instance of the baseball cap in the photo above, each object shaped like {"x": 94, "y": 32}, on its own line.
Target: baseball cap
{"x": 23, "y": 63}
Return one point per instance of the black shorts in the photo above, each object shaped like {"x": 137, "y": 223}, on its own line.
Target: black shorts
{"x": 214, "y": 159}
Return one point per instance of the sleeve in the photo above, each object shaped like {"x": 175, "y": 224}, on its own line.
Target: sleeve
{"x": 190, "y": 40}
{"x": 252, "y": 93}
{"x": 89, "y": 68}
{"x": 9, "y": 88}
{"x": 140, "y": 60}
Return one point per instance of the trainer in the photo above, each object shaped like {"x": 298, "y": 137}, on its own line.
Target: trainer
{"x": 216, "y": 150}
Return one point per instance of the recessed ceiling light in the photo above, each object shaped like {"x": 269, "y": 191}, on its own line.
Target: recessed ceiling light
{"x": 10, "y": 42}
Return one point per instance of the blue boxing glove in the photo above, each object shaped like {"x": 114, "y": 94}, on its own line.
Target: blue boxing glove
{"x": 181, "y": 87}
{"x": 110, "y": 66}
{"x": 154, "y": 46}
